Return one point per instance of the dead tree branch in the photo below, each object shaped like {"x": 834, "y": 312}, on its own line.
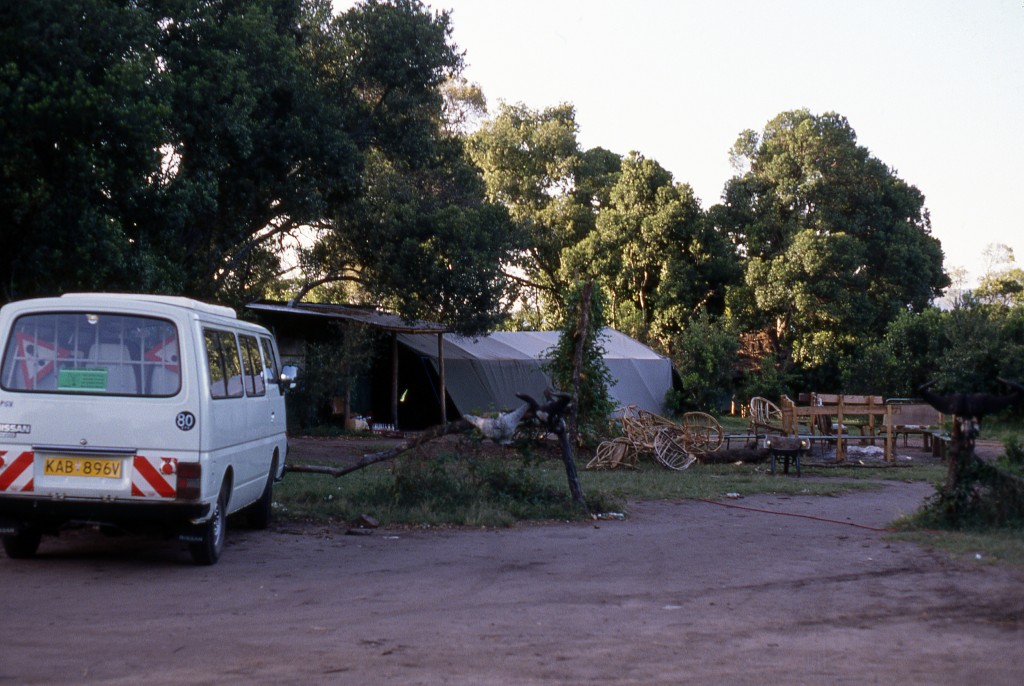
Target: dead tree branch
{"x": 389, "y": 454}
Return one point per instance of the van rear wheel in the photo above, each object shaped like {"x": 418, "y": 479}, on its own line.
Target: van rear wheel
{"x": 22, "y": 545}
{"x": 214, "y": 530}
{"x": 260, "y": 513}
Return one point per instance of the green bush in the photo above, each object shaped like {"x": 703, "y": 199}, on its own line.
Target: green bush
{"x": 768, "y": 382}
{"x": 1014, "y": 457}
{"x": 462, "y": 489}
{"x": 982, "y": 496}
{"x": 705, "y": 352}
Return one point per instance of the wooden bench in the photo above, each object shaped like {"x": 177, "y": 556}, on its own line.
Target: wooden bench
{"x": 912, "y": 418}
{"x": 834, "y": 415}
{"x": 857, "y": 411}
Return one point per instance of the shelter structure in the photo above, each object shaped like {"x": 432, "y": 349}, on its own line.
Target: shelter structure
{"x": 295, "y": 323}
{"x": 432, "y": 375}
{"x": 484, "y": 374}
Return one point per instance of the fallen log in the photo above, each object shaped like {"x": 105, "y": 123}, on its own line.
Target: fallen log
{"x": 389, "y": 454}
{"x": 735, "y": 455}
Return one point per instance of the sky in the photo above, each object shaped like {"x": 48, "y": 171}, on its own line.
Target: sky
{"x": 933, "y": 88}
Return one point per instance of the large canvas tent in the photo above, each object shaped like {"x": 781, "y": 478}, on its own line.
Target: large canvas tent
{"x": 484, "y": 374}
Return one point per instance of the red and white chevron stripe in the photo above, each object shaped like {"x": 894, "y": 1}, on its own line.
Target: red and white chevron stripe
{"x": 16, "y": 474}
{"x": 154, "y": 477}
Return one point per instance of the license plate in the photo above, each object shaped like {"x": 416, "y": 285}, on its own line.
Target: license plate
{"x": 82, "y": 466}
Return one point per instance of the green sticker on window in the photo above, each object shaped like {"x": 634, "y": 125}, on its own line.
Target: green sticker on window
{"x": 82, "y": 379}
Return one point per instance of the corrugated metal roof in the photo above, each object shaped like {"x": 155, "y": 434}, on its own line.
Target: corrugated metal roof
{"x": 364, "y": 315}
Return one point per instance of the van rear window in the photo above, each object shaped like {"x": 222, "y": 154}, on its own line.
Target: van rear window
{"x": 92, "y": 354}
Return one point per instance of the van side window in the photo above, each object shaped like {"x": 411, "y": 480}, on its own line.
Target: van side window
{"x": 270, "y": 366}
{"x": 253, "y": 363}
{"x": 224, "y": 364}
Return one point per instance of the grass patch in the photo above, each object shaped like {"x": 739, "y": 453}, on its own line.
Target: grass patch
{"x": 444, "y": 490}
{"x": 982, "y": 520}
{"x": 475, "y": 490}
{"x": 733, "y": 423}
{"x": 930, "y": 473}
{"x": 1003, "y": 428}
{"x": 988, "y": 547}
{"x": 710, "y": 482}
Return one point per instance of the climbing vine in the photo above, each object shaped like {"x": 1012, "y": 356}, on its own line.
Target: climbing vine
{"x": 576, "y": 363}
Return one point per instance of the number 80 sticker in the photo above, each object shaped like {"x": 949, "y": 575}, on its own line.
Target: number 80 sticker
{"x": 185, "y": 421}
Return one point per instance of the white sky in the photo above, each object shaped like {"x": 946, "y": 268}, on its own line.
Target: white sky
{"x": 933, "y": 88}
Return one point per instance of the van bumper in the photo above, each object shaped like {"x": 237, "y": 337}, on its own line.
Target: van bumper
{"x": 49, "y": 516}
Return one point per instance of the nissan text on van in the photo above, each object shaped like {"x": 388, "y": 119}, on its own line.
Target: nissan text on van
{"x": 136, "y": 412}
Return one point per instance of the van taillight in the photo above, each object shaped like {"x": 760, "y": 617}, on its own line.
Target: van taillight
{"x": 190, "y": 480}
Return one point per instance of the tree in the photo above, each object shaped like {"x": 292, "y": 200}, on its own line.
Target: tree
{"x": 901, "y": 360}
{"x": 982, "y": 342}
{"x": 1003, "y": 288}
{"x": 465, "y": 106}
{"x": 420, "y": 237}
{"x": 998, "y": 256}
{"x": 256, "y": 147}
{"x": 532, "y": 165}
{"x": 704, "y": 356}
{"x": 81, "y": 117}
{"x": 1003, "y": 281}
{"x": 654, "y": 254}
{"x": 179, "y": 146}
{"x": 835, "y": 244}
{"x": 163, "y": 146}
{"x": 422, "y": 243}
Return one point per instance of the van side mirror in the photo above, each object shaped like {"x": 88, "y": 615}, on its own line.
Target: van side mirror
{"x": 288, "y": 374}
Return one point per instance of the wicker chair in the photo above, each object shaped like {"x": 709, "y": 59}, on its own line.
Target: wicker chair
{"x": 639, "y": 429}
{"x": 703, "y": 433}
{"x": 616, "y": 453}
{"x": 765, "y": 417}
{"x": 672, "y": 445}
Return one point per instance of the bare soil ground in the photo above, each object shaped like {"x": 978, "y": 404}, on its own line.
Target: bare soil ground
{"x": 766, "y": 589}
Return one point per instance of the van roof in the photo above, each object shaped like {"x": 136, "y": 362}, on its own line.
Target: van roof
{"x": 174, "y": 300}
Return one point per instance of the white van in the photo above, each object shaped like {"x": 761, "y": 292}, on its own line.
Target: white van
{"x": 137, "y": 412}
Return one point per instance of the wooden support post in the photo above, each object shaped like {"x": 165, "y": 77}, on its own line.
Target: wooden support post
{"x": 790, "y": 424}
{"x": 890, "y": 447}
{"x": 871, "y": 418}
{"x": 840, "y": 448}
{"x": 394, "y": 380}
{"x": 440, "y": 373}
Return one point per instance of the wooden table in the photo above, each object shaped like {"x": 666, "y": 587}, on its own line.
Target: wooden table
{"x": 794, "y": 415}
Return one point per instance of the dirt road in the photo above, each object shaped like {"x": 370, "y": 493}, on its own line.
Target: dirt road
{"x": 687, "y": 592}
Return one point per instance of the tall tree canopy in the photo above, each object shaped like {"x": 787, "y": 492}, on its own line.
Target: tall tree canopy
{"x": 420, "y": 237}
{"x": 82, "y": 114}
{"x": 257, "y": 146}
{"x": 532, "y": 164}
{"x": 1003, "y": 281}
{"x": 175, "y": 145}
{"x": 835, "y": 244}
{"x": 654, "y": 253}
